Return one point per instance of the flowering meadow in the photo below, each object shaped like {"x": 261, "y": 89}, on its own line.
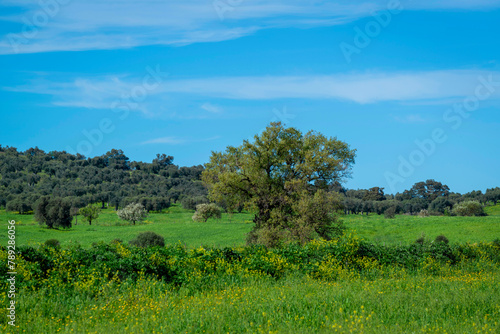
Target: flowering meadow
{"x": 345, "y": 285}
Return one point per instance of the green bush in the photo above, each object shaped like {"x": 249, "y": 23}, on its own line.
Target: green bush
{"x": 148, "y": 239}
{"x": 390, "y": 213}
{"x": 469, "y": 208}
{"x": 441, "y": 238}
{"x": 206, "y": 211}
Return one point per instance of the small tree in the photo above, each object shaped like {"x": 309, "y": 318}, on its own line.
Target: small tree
{"x": 90, "y": 213}
{"x": 206, "y": 211}
{"x": 133, "y": 212}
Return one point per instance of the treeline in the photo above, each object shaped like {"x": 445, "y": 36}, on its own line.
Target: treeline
{"x": 111, "y": 179}
{"x": 429, "y": 198}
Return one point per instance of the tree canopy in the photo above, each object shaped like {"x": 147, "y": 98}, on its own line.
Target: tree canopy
{"x": 280, "y": 174}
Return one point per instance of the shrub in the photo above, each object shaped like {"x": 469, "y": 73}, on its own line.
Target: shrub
{"x": 422, "y": 240}
{"x": 54, "y": 243}
{"x": 206, "y": 211}
{"x": 424, "y": 213}
{"x": 441, "y": 239}
{"x": 116, "y": 241}
{"x": 469, "y": 208}
{"x": 148, "y": 239}
{"x": 390, "y": 213}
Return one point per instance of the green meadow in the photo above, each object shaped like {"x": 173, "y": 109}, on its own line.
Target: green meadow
{"x": 374, "y": 279}
{"x": 175, "y": 225}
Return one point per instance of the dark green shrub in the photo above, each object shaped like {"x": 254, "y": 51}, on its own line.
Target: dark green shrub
{"x": 441, "y": 238}
{"x": 54, "y": 243}
{"x": 148, "y": 239}
{"x": 116, "y": 241}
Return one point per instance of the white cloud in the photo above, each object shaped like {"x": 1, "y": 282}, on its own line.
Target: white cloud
{"x": 211, "y": 108}
{"x": 408, "y": 87}
{"x": 165, "y": 140}
{"x": 101, "y": 24}
{"x": 359, "y": 88}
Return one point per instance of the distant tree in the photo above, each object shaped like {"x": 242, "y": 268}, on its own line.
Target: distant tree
{"x": 53, "y": 212}
{"x": 133, "y": 213}
{"x": 429, "y": 190}
{"x": 441, "y": 205}
{"x": 90, "y": 213}
{"x": 206, "y": 211}
{"x": 275, "y": 174}
{"x": 374, "y": 194}
{"x": 469, "y": 208}
{"x": 493, "y": 195}
{"x": 20, "y": 205}
{"x": 390, "y": 212}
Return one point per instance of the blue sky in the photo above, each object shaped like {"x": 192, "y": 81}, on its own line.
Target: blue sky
{"x": 414, "y": 86}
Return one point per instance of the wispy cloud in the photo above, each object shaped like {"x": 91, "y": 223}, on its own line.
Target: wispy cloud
{"x": 359, "y": 88}
{"x": 407, "y": 87}
{"x": 105, "y": 24}
{"x": 211, "y": 108}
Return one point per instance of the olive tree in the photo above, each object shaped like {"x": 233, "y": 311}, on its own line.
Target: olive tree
{"x": 276, "y": 175}
{"x": 206, "y": 211}
{"x": 53, "y": 212}
{"x": 133, "y": 212}
{"x": 90, "y": 213}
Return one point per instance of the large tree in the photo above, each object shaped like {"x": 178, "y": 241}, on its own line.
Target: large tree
{"x": 276, "y": 175}
{"x": 53, "y": 212}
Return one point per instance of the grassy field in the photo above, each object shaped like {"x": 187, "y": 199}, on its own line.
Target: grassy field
{"x": 176, "y": 225}
{"x": 406, "y": 229}
{"x": 322, "y": 287}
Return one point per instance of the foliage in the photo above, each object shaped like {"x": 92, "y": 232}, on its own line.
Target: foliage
{"x": 53, "y": 212}
{"x": 190, "y": 203}
{"x": 390, "y": 213}
{"x": 133, "y": 213}
{"x": 442, "y": 238}
{"x": 109, "y": 178}
{"x": 206, "y": 211}
{"x": 90, "y": 213}
{"x": 275, "y": 175}
{"x": 424, "y": 213}
{"x": 441, "y": 205}
{"x": 469, "y": 208}
{"x": 148, "y": 239}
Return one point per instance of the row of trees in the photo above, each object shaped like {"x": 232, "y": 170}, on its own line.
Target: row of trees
{"x": 430, "y": 195}
{"x": 56, "y": 212}
{"x": 110, "y": 179}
